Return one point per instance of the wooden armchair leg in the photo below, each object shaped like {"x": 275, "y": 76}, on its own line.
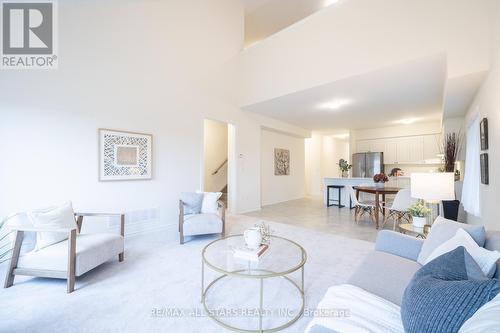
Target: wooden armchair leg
{"x": 181, "y": 222}
{"x": 71, "y": 261}
{"x": 121, "y": 256}
{"x": 9, "y": 278}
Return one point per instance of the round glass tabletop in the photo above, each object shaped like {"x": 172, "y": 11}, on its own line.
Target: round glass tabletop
{"x": 282, "y": 257}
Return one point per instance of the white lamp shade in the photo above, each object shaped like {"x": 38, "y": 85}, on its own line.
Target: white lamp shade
{"x": 433, "y": 186}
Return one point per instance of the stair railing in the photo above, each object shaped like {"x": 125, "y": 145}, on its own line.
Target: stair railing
{"x": 219, "y": 167}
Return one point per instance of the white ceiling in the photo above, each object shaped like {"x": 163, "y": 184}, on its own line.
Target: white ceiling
{"x": 266, "y": 17}
{"x": 378, "y": 99}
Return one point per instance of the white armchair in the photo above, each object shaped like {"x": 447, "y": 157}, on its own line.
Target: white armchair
{"x": 203, "y": 223}
{"x": 67, "y": 259}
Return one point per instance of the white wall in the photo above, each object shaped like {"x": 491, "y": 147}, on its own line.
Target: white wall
{"x": 313, "y": 153}
{"x": 319, "y": 51}
{"x": 333, "y": 150}
{"x": 487, "y": 103}
{"x": 323, "y": 153}
{"x": 216, "y": 152}
{"x": 287, "y": 187}
{"x": 157, "y": 67}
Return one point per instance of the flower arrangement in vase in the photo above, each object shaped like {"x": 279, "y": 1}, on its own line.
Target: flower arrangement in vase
{"x": 419, "y": 212}
{"x": 344, "y": 167}
{"x": 265, "y": 232}
{"x": 380, "y": 179}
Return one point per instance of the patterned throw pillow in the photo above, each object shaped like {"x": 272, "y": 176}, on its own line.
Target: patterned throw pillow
{"x": 445, "y": 293}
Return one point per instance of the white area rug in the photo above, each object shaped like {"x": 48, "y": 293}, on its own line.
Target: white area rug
{"x": 158, "y": 274}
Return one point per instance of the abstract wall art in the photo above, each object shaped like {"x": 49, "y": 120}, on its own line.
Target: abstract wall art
{"x": 124, "y": 155}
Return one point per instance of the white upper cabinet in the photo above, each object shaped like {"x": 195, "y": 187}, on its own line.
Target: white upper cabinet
{"x": 377, "y": 146}
{"x": 390, "y": 153}
{"x": 373, "y": 146}
{"x": 363, "y": 146}
{"x": 420, "y": 149}
{"x": 432, "y": 145}
{"x": 402, "y": 151}
{"x": 416, "y": 149}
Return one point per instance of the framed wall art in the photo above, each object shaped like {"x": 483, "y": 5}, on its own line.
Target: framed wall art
{"x": 483, "y": 128}
{"x": 281, "y": 162}
{"x": 485, "y": 177}
{"x": 124, "y": 155}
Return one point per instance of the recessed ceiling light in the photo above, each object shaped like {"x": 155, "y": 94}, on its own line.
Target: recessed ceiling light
{"x": 334, "y": 104}
{"x": 327, "y": 3}
{"x": 406, "y": 121}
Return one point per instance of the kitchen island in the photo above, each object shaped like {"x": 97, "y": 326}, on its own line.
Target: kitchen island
{"x": 401, "y": 182}
{"x": 352, "y": 181}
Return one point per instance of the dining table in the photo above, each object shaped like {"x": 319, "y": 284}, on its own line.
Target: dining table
{"x": 377, "y": 191}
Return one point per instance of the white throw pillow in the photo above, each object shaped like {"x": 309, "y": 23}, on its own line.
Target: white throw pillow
{"x": 209, "y": 204}
{"x": 485, "y": 320}
{"x": 484, "y": 258}
{"x": 61, "y": 216}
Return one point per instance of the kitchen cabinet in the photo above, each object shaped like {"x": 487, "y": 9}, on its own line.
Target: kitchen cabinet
{"x": 377, "y": 146}
{"x": 390, "y": 153}
{"x": 373, "y": 146}
{"x": 363, "y": 146}
{"x": 432, "y": 147}
{"x": 418, "y": 149}
{"x": 403, "y": 151}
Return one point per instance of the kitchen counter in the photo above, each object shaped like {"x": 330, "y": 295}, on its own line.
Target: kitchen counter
{"x": 351, "y": 181}
{"x": 402, "y": 182}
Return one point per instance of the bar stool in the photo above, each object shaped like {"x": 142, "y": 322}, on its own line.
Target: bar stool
{"x": 337, "y": 202}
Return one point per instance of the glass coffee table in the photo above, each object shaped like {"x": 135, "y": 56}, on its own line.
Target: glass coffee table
{"x": 282, "y": 258}
{"x": 419, "y": 232}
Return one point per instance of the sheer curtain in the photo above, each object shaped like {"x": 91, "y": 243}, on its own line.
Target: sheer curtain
{"x": 470, "y": 191}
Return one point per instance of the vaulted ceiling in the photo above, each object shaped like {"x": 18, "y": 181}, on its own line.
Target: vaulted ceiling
{"x": 266, "y": 17}
{"x": 360, "y": 64}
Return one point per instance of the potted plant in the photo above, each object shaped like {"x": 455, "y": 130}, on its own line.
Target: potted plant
{"x": 419, "y": 212}
{"x": 451, "y": 147}
{"x": 380, "y": 179}
{"x": 344, "y": 167}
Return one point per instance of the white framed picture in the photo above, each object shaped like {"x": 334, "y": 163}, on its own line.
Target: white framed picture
{"x": 124, "y": 155}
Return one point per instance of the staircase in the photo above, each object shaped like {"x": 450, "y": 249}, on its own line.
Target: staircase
{"x": 218, "y": 181}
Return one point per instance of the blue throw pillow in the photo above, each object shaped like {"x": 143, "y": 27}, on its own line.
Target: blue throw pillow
{"x": 445, "y": 293}
{"x": 192, "y": 202}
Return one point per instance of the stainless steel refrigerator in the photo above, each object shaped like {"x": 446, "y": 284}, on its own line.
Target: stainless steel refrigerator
{"x": 367, "y": 164}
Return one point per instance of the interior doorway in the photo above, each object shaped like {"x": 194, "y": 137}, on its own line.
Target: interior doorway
{"x": 218, "y": 160}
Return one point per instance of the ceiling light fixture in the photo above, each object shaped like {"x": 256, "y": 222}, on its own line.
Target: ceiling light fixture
{"x": 335, "y": 104}
{"x": 327, "y": 3}
{"x": 407, "y": 121}
{"x": 341, "y": 136}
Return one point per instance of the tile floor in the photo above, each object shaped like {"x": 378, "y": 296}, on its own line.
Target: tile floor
{"x": 311, "y": 213}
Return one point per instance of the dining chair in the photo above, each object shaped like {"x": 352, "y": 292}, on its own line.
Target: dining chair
{"x": 399, "y": 208}
{"x": 361, "y": 207}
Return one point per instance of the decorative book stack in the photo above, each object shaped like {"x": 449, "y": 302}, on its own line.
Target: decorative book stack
{"x": 248, "y": 254}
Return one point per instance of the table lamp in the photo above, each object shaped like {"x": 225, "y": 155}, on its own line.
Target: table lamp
{"x": 433, "y": 187}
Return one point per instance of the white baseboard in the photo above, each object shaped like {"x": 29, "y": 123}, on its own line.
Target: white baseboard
{"x": 152, "y": 229}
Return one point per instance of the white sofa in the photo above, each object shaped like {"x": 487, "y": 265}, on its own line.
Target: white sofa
{"x": 373, "y": 294}
{"x": 67, "y": 259}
